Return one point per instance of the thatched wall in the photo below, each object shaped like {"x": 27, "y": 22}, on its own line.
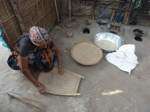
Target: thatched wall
{"x": 17, "y": 16}
{"x": 8, "y": 22}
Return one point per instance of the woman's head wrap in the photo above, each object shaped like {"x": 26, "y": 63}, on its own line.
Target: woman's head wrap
{"x": 39, "y": 36}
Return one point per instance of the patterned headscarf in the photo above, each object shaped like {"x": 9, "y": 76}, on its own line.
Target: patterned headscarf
{"x": 39, "y": 36}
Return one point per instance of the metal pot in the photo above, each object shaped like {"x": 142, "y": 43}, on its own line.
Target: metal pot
{"x": 115, "y": 39}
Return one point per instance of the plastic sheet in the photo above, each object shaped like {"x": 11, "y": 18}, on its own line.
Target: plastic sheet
{"x": 2, "y": 40}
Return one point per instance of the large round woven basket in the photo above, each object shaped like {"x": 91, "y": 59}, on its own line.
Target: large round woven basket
{"x": 86, "y": 53}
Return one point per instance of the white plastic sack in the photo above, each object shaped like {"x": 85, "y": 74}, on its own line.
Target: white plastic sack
{"x": 124, "y": 58}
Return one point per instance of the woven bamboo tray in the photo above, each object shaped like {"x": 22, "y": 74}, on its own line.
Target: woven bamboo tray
{"x": 86, "y": 53}
{"x": 65, "y": 84}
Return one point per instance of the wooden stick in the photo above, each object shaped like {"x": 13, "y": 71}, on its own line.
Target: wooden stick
{"x": 69, "y": 8}
{"x": 82, "y": 15}
{"x": 113, "y": 13}
{"x": 66, "y": 94}
{"x": 129, "y": 13}
{"x": 93, "y": 11}
{"x": 32, "y": 103}
{"x": 56, "y": 10}
{"x": 75, "y": 74}
{"x": 55, "y": 70}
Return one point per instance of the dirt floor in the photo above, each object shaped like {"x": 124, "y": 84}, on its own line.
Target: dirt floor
{"x": 105, "y": 88}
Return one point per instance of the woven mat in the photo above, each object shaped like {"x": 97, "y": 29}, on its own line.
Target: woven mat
{"x": 86, "y": 53}
{"x": 66, "y": 84}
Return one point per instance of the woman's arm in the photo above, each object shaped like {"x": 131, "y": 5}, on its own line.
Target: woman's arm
{"x": 56, "y": 50}
{"x": 25, "y": 70}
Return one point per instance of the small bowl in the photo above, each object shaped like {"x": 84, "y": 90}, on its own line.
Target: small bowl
{"x": 69, "y": 34}
{"x": 106, "y": 36}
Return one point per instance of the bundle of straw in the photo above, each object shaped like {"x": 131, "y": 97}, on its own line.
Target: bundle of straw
{"x": 29, "y": 102}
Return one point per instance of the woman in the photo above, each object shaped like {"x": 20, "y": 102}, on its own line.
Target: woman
{"x": 37, "y": 52}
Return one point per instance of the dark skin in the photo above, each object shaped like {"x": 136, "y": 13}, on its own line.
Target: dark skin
{"x": 30, "y": 74}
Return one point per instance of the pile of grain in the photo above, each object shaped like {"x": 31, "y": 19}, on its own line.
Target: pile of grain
{"x": 106, "y": 44}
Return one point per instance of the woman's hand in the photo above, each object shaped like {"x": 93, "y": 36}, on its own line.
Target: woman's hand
{"x": 29, "y": 74}
{"x": 60, "y": 70}
{"x": 42, "y": 88}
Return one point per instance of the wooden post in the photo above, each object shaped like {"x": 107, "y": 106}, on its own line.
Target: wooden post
{"x": 56, "y": 10}
{"x": 113, "y": 11}
{"x": 17, "y": 13}
{"x": 130, "y": 11}
{"x": 93, "y": 10}
{"x": 126, "y": 16}
{"x": 69, "y": 8}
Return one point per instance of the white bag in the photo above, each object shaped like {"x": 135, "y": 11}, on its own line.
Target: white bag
{"x": 124, "y": 58}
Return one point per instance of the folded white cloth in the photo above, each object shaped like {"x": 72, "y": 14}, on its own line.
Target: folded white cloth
{"x": 124, "y": 58}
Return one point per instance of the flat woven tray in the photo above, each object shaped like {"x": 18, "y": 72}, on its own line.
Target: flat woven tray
{"x": 65, "y": 84}
{"x": 86, "y": 53}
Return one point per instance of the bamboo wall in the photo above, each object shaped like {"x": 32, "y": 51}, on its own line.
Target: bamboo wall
{"x": 17, "y": 16}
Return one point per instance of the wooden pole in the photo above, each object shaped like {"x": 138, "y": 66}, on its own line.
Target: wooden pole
{"x": 113, "y": 13}
{"x": 69, "y": 8}
{"x": 56, "y": 10}
{"x": 29, "y": 102}
{"x": 17, "y": 13}
{"x": 130, "y": 11}
{"x": 93, "y": 11}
